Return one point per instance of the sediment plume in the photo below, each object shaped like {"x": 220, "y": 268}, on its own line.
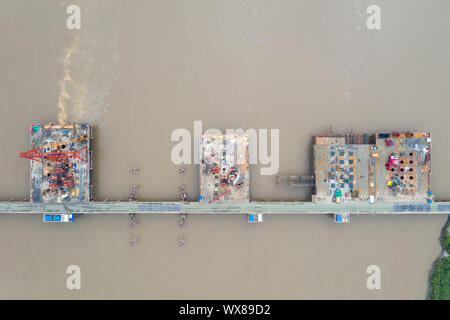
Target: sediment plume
{"x": 64, "y": 96}
{"x": 89, "y": 67}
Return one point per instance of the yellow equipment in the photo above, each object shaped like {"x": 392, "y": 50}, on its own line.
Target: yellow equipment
{"x": 55, "y": 144}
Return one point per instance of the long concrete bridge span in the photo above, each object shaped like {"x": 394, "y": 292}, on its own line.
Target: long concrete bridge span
{"x": 394, "y": 207}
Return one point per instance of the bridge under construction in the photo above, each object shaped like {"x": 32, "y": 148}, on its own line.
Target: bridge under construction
{"x": 383, "y": 173}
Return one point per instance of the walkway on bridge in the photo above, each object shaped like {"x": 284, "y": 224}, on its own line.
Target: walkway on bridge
{"x": 393, "y": 207}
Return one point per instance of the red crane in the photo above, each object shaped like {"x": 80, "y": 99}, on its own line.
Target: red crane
{"x": 238, "y": 185}
{"x": 208, "y": 157}
{"x": 37, "y": 154}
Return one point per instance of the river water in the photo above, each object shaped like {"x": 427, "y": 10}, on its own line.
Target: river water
{"x": 141, "y": 69}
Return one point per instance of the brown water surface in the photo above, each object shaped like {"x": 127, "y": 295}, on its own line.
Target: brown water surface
{"x": 141, "y": 69}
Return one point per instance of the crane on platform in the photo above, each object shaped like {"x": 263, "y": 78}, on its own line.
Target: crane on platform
{"x": 237, "y": 185}
{"x": 37, "y": 154}
{"x": 206, "y": 160}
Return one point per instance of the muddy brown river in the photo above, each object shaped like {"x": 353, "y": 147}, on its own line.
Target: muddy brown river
{"x": 138, "y": 70}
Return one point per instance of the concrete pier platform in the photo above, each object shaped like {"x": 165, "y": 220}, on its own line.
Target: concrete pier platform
{"x": 394, "y": 207}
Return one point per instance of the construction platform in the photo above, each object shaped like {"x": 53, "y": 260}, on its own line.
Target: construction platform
{"x": 224, "y": 174}
{"x": 393, "y": 168}
{"x": 60, "y": 163}
{"x": 380, "y": 167}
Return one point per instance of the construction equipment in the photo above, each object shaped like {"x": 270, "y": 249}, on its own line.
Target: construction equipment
{"x": 61, "y": 143}
{"x": 255, "y": 217}
{"x": 61, "y": 217}
{"x": 209, "y": 157}
{"x": 342, "y": 217}
{"x": 388, "y": 142}
{"x": 393, "y": 161}
{"x": 68, "y": 183}
{"x": 215, "y": 169}
{"x": 37, "y": 154}
{"x": 220, "y": 195}
{"x": 238, "y": 185}
{"x": 338, "y": 195}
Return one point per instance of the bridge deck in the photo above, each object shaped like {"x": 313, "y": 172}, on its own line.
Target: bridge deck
{"x": 394, "y": 207}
